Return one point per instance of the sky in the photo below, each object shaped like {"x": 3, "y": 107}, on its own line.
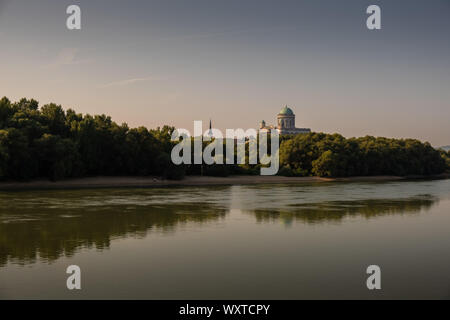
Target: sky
{"x": 153, "y": 63}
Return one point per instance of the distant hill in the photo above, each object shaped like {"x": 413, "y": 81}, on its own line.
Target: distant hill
{"x": 446, "y": 148}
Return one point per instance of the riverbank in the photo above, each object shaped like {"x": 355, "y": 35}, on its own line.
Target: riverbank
{"x": 140, "y": 182}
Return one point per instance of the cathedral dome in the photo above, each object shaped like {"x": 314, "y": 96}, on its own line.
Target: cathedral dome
{"x": 286, "y": 111}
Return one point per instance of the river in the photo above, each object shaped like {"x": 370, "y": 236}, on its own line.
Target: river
{"x": 304, "y": 241}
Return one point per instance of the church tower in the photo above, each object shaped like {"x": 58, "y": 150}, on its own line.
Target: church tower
{"x": 286, "y": 119}
{"x": 285, "y": 123}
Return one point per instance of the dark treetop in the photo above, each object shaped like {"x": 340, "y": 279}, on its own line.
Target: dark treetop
{"x": 49, "y": 142}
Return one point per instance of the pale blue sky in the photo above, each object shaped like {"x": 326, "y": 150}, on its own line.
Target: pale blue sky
{"x": 172, "y": 62}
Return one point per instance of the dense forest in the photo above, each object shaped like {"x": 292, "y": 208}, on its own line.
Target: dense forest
{"x": 47, "y": 141}
{"x": 333, "y": 155}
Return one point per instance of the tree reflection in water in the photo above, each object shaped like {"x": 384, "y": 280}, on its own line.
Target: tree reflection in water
{"x": 47, "y": 226}
{"x": 336, "y": 211}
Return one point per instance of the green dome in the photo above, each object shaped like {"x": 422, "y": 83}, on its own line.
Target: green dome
{"x": 286, "y": 111}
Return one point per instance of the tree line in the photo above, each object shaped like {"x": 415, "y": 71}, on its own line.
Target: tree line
{"x": 50, "y": 142}
{"x": 47, "y": 141}
{"x": 332, "y": 155}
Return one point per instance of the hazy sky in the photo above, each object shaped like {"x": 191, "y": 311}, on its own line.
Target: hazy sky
{"x": 172, "y": 62}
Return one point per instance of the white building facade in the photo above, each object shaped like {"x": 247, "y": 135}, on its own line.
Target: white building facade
{"x": 285, "y": 123}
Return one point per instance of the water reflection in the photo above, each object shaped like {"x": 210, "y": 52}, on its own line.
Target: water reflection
{"x": 206, "y": 243}
{"x": 46, "y": 227}
{"x": 336, "y": 211}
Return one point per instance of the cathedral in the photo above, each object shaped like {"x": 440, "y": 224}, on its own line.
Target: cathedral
{"x": 285, "y": 123}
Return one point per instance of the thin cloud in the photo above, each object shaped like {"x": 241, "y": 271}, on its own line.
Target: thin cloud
{"x": 67, "y": 57}
{"x": 126, "y": 82}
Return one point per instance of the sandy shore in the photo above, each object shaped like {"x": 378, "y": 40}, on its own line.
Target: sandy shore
{"x": 116, "y": 182}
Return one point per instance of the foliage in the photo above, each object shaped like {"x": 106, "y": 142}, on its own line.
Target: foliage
{"x": 50, "y": 142}
{"x": 53, "y": 143}
{"x": 332, "y": 155}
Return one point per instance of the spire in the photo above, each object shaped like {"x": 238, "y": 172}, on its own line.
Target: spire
{"x": 210, "y": 133}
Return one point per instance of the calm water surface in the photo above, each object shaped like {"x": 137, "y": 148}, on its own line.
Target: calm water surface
{"x": 301, "y": 241}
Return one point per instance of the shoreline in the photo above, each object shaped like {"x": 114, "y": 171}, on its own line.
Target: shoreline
{"x": 148, "y": 182}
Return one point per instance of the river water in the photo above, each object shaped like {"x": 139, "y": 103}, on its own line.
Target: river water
{"x": 305, "y": 241}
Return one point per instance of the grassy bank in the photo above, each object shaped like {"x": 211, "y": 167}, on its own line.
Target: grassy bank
{"x": 140, "y": 182}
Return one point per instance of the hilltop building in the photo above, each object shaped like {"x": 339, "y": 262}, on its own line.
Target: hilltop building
{"x": 285, "y": 123}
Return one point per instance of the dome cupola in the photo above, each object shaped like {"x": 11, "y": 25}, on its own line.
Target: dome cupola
{"x": 286, "y": 111}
